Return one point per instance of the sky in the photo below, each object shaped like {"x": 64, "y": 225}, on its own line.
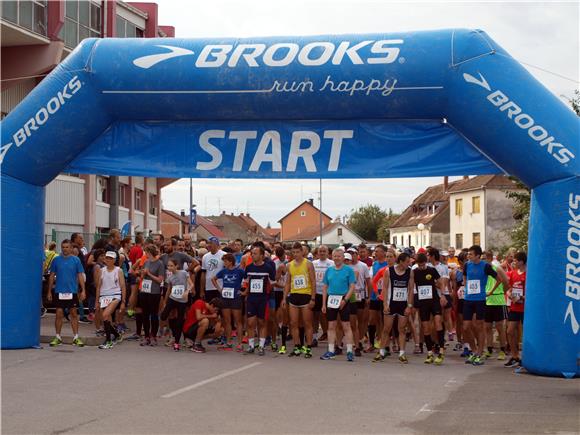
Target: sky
{"x": 544, "y": 35}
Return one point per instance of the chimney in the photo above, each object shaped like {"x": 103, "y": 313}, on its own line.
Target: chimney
{"x": 223, "y": 212}
{"x": 183, "y": 212}
{"x": 248, "y": 214}
{"x": 445, "y": 184}
{"x": 241, "y": 214}
{"x": 311, "y": 201}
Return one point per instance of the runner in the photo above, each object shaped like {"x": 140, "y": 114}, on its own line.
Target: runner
{"x": 111, "y": 294}
{"x": 430, "y": 298}
{"x": 459, "y": 297}
{"x": 358, "y": 301}
{"x": 179, "y": 285}
{"x": 320, "y": 266}
{"x": 434, "y": 258}
{"x": 69, "y": 274}
{"x": 339, "y": 286}
{"x": 301, "y": 298}
{"x": 150, "y": 294}
{"x": 475, "y": 273}
{"x": 202, "y": 319}
{"x": 211, "y": 264}
{"x": 282, "y": 311}
{"x": 495, "y": 310}
{"x": 259, "y": 276}
{"x": 516, "y": 297}
{"x": 231, "y": 298}
{"x": 375, "y": 304}
{"x": 398, "y": 285}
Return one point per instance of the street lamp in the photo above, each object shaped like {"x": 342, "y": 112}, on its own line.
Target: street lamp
{"x": 421, "y": 227}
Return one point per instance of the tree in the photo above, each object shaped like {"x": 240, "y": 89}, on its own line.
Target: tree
{"x": 383, "y": 233}
{"x": 519, "y": 232}
{"x": 366, "y": 220}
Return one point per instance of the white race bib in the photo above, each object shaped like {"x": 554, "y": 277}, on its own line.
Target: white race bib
{"x": 299, "y": 282}
{"x": 473, "y": 287}
{"x": 320, "y": 275}
{"x": 334, "y": 301}
{"x": 461, "y": 292}
{"x": 399, "y": 294}
{"x": 146, "y": 286}
{"x": 105, "y": 301}
{"x": 256, "y": 286}
{"x": 227, "y": 293}
{"x": 177, "y": 291}
{"x": 65, "y": 296}
{"x": 425, "y": 292}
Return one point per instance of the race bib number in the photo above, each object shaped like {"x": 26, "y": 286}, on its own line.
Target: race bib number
{"x": 177, "y": 291}
{"x": 256, "y": 286}
{"x": 425, "y": 292}
{"x": 146, "y": 286}
{"x": 105, "y": 301}
{"x": 518, "y": 293}
{"x": 319, "y": 275}
{"x": 473, "y": 287}
{"x": 399, "y": 294}
{"x": 227, "y": 293}
{"x": 334, "y": 301}
{"x": 359, "y": 295}
{"x": 461, "y": 292}
{"x": 65, "y": 296}
{"x": 299, "y": 282}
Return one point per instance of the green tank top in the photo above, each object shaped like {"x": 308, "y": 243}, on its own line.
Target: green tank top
{"x": 498, "y": 296}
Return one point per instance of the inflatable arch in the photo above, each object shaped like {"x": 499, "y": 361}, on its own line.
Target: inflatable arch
{"x": 446, "y": 102}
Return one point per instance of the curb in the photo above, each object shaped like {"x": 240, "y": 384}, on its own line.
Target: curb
{"x": 88, "y": 341}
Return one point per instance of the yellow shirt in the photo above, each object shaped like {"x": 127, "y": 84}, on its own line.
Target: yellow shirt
{"x": 299, "y": 278}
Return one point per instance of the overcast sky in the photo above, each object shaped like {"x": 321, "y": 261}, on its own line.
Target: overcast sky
{"x": 545, "y": 35}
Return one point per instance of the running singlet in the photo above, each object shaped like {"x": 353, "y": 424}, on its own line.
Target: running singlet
{"x": 498, "y": 296}
{"x": 379, "y": 284}
{"x": 110, "y": 287}
{"x": 425, "y": 283}
{"x": 399, "y": 285}
{"x": 476, "y": 280}
{"x": 518, "y": 285}
{"x": 299, "y": 279}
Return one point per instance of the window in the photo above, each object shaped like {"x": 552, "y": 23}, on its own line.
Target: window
{"x": 395, "y": 240}
{"x": 102, "y": 189}
{"x": 459, "y": 241}
{"x": 152, "y": 204}
{"x": 124, "y": 195}
{"x": 82, "y": 20}
{"x": 26, "y": 13}
{"x": 409, "y": 240}
{"x": 475, "y": 204}
{"x": 458, "y": 207}
{"x": 339, "y": 231}
{"x": 126, "y": 29}
{"x": 139, "y": 200}
{"x": 302, "y": 213}
{"x": 477, "y": 239}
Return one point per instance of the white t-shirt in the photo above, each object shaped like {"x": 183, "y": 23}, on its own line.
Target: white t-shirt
{"x": 443, "y": 271}
{"x": 320, "y": 268}
{"x": 212, "y": 264}
{"x": 362, "y": 273}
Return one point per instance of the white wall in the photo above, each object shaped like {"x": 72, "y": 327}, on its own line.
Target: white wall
{"x": 152, "y": 223}
{"x": 102, "y": 215}
{"x": 469, "y": 222}
{"x": 402, "y": 235}
{"x": 138, "y": 183}
{"x": 151, "y": 185}
{"x": 65, "y": 201}
{"x": 139, "y": 221}
{"x": 332, "y": 237}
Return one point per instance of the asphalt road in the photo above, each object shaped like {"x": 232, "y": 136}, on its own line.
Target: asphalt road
{"x": 130, "y": 389}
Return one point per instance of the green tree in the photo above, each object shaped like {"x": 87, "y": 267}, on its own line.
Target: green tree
{"x": 366, "y": 220}
{"x": 383, "y": 233}
{"x": 519, "y": 232}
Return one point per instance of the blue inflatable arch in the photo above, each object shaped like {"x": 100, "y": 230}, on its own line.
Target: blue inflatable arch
{"x": 446, "y": 102}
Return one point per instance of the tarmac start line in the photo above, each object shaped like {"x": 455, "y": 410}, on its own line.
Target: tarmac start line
{"x": 209, "y": 380}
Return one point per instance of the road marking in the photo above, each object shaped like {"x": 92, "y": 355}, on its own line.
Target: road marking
{"x": 207, "y": 381}
{"x": 450, "y": 382}
{"x": 423, "y": 409}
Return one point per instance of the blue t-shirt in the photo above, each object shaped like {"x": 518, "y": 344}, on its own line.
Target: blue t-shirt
{"x": 66, "y": 270}
{"x": 339, "y": 280}
{"x": 238, "y": 258}
{"x": 476, "y": 277}
{"x": 232, "y": 278}
{"x": 376, "y": 267}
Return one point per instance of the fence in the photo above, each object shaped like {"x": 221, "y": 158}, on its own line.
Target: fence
{"x": 59, "y": 236}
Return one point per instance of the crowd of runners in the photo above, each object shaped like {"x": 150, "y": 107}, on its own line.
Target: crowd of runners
{"x": 289, "y": 299}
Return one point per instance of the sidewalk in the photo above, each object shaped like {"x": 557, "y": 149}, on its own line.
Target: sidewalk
{"x": 86, "y": 331}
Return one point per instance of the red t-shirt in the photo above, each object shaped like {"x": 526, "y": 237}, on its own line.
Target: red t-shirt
{"x": 518, "y": 284}
{"x": 135, "y": 253}
{"x": 191, "y": 317}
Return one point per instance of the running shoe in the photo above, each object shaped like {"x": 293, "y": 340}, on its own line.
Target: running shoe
{"x": 250, "y": 349}
{"x": 486, "y": 354}
{"x": 470, "y": 358}
{"x": 349, "y": 356}
{"x": 274, "y": 347}
{"x": 84, "y": 320}
{"x": 213, "y": 341}
{"x": 198, "y": 348}
{"x": 130, "y": 313}
{"x": 378, "y": 357}
{"x": 42, "y": 312}
{"x": 429, "y": 359}
{"x": 387, "y": 352}
{"x": 282, "y": 350}
{"x": 55, "y": 342}
{"x": 439, "y": 359}
{"x": 169, "y": 342}
{"x": 261, "y": 351}
{"x": 188, "y": 343}
{"x": 245, "y": 339}
{"x": 133, "y": 337}
{"x": 327, "y": 356}
{"x": 501, "y": 355}
{"x": 145, "y": 342}
{"x": 226, "y": 347}
{"x": 513, "y": 362}
{"x": 357, "y": 351}
{"x": 239, "y": 348}
{"x": 106, "y": 345}
{"x": 457, "y": 347}
{"x": 314, "y": 343}
{"x": 403, "y": 359}
{"x": 176, "y": 347}
{"x": 118, "y": 339}
{"x": 78, "y": 342}
{"x": 100, "y": 332}
{"x": 153, "y": 342}
{"x": 477, "y": 361}
{"x": 466, "y": 352}
{"x": 307, "y": 351}
{"x": 295, "y": 352}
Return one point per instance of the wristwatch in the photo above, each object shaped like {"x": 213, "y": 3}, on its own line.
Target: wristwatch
{"x": 409, "y": 305}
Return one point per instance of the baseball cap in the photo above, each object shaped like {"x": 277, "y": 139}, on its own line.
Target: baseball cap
{"x": 422, "y": 251}
{"x": 352, "y": 251}
{"x": 214, "y": 239}
{"x": 111, "y": 254}
{"x": 347, "y": 256}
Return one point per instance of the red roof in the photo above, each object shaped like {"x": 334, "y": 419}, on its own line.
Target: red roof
{"x": 209, "y": 225}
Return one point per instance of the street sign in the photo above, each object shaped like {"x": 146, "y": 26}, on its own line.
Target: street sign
{"x": 193, "y": 217}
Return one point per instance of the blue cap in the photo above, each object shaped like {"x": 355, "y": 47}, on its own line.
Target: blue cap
{"x": 214, "y": 239}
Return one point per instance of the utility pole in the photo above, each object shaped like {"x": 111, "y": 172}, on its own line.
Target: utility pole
{"x": 320, "y": 209}
{"x": 190, "y": 203}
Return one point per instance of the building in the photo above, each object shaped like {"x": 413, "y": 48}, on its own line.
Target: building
{"x": 480, "y": 213}
{"x": 333, "y": 235}
{"x": 35, "y": 37}
{"x": 242, "y": 226}
{"x": 274, "y": 233}
{"x": 305, "y": 216}
{"x": 426, "y": 221}
{"x": 177, "y": 224}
